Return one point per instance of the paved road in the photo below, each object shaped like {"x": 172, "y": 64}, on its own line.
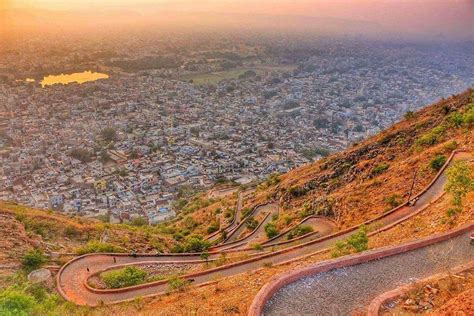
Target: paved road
{"x": 234, "y": 236}
{"x": 342, "y": 291}
{"x": 233, "y": 224}
{"x": 72, "y": 278}
{"x": 258, "y": 234}
{"x": 321, "y": 227}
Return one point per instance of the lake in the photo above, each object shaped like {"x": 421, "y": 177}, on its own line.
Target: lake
{"x": 78, "y": 77}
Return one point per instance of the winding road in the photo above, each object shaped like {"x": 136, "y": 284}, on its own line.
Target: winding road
{"x": 73, "y": 276}
{"x": 345, "y": 290}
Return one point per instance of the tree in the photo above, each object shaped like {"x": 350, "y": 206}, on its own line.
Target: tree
{"x": 460, "y": 181}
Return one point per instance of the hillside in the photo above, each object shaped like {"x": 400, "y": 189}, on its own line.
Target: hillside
{"x": 375, "y": 175}
{"x": 350, "y": 187}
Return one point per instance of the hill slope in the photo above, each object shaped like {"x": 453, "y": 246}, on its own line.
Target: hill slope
{"x": 348, "y": 187}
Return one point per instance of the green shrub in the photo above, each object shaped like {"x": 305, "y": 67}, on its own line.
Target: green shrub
{"x": 23, "y": 298}
{"x": 139, "y": 221}
{"x": 128, "y": 276}
{"x": 394, "y": 200}
{"x": 452, "y": 212}
{"x": 271, "y": 230}
{"x": 432, "y": 137}
{"x": 213, "y": 228}
{"x": 438, "y": 162}
{"x": 468, "y": 117}
{"x": 196, "y": 244}
{"x": 177, "y": 284}
{"x": 359, "y": 240}
{"x": 452, "y": 145}
{"x": 15, "y": 302}
{"x": 356, "y": 242}
{"x": 97, "y": 246}
{"x": 460, "y": 181}
{"x": 257, "y": 247}
{"x": 409, "y": 115}
{"x": 299, "y": 230}
{"x": 455, "y": 119}
{"x": 379, "y": 169}
{"x": 32, "y": 260}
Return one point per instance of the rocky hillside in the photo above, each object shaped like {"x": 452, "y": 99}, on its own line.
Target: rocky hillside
{"x": 377, "y": 174}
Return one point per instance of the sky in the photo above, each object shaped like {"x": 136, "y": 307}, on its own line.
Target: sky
{"x": 435, "y": 18}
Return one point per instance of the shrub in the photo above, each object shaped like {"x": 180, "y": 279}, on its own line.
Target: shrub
{"x": 15, "y": 302}
{"x": 452, "y": 212}
{"x": 96, "y": 246}
{"x": 356, "y": 242}
{"x": 32, "y": 260}
{"x": 177, "y": 284}
{"x": 299, "y": 230}
{"x": 359, "y": 240}
{"x": 451, "y": 146}
{"x": 213, "y": 228}
{"x": 139, "y": 221}
{"x": 460, "y": 181}
{"x": 257, "y": 247}
{"x": 468, "y": 117}
{"x": 196, "y": 244}
{"x": 297, "y": 191}
{"x": 438, "y": 162}
{"x": 455, "y": 119}
{"x": 432, "y": 137}
{"x": 204, "y": 256}
{"x": 271, "y": 230}
{"x": 379, "y": 169}
{"x": 128, "y": 276}
{"x": 394, "y": 200}
{"x": 409, "y": 115}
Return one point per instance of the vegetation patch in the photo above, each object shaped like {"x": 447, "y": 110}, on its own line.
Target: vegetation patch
{"x": 460, "y": 181}
{"x": 33, "y": 260}
{"x": 271, "y": 230}
{"x": 438, "y": 162}
{"x": 356, "y": 242}
{"x": 379, "y": 169}
{"x": 128, "y": 276}
{"x": 299, "y": 230}
{"x": 96, "y": 246}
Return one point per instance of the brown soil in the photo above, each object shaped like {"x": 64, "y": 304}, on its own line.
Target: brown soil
{"x": 441, "y": 296}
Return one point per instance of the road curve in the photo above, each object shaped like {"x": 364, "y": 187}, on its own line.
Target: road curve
{"x": 346, "y": 290}
{"x": 71, "y": 279}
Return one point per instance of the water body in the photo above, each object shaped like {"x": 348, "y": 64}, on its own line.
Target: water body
{"x": 78, "y": 77}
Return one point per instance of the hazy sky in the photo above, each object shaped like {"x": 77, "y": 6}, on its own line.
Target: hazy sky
{"x": 443, "y": 18}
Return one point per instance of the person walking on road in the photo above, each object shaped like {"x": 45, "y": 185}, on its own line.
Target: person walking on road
{"x": 115, "y": 260}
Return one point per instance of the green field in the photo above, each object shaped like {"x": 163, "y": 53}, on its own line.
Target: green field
{"x": 216, "y": 77}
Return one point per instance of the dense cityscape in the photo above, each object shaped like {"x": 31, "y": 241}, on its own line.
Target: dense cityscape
{"x": 218, "y": 111}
